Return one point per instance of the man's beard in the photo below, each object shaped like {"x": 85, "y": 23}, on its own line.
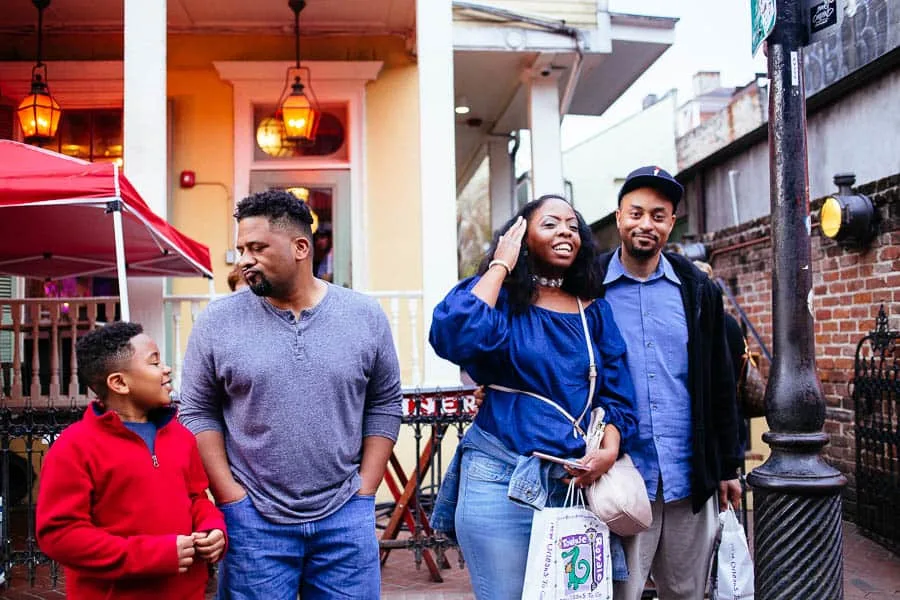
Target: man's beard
{"x": 641, "y": 253}
{"x": 261, "y": 286}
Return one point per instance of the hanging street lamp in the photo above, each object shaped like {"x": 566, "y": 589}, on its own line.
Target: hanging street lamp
{"x": 298, "y": 107}
{"x": 39, "y": 113}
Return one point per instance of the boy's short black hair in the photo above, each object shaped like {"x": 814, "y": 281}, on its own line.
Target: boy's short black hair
{"x": 280, "y": 207}
{"x": 103, "y": 351}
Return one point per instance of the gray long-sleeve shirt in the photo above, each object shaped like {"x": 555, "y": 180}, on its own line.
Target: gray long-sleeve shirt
{"x": 293, "y": 397}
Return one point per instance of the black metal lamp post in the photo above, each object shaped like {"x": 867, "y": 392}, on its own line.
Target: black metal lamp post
{"x": 798, "y": 530}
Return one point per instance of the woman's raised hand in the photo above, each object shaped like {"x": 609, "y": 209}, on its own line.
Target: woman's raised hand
{"x": 502, "y": 263}
{"x": 510, "y": 243}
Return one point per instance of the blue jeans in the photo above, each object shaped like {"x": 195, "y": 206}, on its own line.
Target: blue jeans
{"x": 493, "y": 531}
{"x": 334, "y": 557}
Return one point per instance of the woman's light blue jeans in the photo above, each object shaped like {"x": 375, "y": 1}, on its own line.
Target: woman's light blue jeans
{"x": 494, "y": 532}
{"x": 334, "y": 557}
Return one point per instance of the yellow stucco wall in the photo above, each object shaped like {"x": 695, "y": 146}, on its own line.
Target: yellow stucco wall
{"x": 392, "y": 165}
{"x": 202, "y": 128}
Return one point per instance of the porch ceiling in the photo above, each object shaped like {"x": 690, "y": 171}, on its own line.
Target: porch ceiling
{"x": 494, "y": 80}
{"x": 378, "y": 16}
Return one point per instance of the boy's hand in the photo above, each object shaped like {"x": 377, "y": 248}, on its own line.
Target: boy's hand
{"x": 209, "y": 544}
{"x": 185, "y": 546}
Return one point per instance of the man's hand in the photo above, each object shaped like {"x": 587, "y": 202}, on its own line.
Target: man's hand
{"x": 184, "y": 544}
{"x": 479, "y": 396}
{"x": 232, "y": 493}
{"x": 209, "y": 544}
{"x": 729, "y": 491}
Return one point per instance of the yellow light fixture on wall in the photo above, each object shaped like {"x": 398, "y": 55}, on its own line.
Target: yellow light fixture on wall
{"x": 38, "y": 112}
{"x": 270, "y": 137}
{"x": 847, "y": 217}
{"x": 298, "y": 107}
{"x": 302, "y": 193}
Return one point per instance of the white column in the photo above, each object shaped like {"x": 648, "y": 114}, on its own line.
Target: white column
{"x": 544, "y": 121}
{"x": 434, "y": 39}
{"x": 145, "y": 138}
{"x": 503, "y": 202}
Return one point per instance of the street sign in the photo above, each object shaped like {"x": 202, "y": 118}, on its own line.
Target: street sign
{"x": 823, "y": 17}
{"x": 762, "y": 21}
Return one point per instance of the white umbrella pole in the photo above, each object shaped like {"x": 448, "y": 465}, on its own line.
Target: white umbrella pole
{"x": 120, "y": 261}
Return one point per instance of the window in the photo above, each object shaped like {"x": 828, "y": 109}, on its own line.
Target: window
{"x": 94, "y": 135}
{"x": 331, "y": 137}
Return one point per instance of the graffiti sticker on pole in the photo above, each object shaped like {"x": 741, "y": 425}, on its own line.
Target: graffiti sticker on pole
{"x": 762, "y": 20}
{"x": 823, "y": 17}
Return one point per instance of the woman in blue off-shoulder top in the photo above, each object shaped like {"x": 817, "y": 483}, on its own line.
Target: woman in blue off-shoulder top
{"x": 517, "y": 327}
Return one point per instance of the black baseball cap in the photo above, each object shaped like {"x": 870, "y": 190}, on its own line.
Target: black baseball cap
{"x": 656, "y": 178}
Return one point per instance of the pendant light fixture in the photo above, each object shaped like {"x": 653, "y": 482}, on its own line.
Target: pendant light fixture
{"x": 39, "y": 113}
{"x": 298, "y": 107}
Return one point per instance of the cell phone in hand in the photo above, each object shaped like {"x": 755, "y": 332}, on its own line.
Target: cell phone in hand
{"x": 567, "y": 462}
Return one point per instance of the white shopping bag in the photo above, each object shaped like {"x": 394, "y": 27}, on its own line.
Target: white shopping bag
{"x": 568, "y": 555}
{"x": 731, "y": 577}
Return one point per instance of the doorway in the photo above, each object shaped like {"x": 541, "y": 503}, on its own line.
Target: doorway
{"x": 327, "y": 192}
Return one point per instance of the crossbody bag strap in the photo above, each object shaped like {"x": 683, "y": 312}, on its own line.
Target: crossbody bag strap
{"x": 592, "y": 367}
{"x": 592, "y": 377}
{"x": 578, "y": 430}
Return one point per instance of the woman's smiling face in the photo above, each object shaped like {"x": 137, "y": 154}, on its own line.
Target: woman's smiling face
{"x": 553, "y": 240}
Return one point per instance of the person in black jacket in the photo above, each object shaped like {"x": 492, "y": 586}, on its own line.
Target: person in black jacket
{"x": 671, "y": 317}
{"x": 737, "y": 344}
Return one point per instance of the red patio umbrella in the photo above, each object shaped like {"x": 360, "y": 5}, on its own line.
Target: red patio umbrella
{"x": 65, "y": 217}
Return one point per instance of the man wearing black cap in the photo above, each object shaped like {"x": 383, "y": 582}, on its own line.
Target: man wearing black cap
{"x": 671, "y": 317}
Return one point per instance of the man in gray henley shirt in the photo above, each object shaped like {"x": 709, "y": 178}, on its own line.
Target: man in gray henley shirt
{"x": 292, "y": 388}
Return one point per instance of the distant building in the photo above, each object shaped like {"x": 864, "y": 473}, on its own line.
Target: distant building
{"x": 709, "y": 98}
{"x": 597, "y": 167}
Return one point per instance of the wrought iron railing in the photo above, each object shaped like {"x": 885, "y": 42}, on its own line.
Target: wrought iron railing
{"x": 876, "y": 397}
{"x": 436, "y": 420}
{"x": 42, "y": 370}
{"x": 25, "y": 435}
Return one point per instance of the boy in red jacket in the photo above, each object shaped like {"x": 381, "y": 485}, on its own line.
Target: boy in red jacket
{"x": 122, "y": 502}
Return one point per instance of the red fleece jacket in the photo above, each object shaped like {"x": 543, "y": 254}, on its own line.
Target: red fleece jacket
{"x": 109, "y": 511}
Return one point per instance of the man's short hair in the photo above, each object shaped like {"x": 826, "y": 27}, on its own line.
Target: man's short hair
{"x": 654, "y": 178}
{"x": 104, "y": 351}
{"x": 280, "y": 207}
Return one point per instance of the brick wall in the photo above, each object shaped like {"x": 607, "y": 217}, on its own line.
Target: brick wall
{"x": 849, "y": 286}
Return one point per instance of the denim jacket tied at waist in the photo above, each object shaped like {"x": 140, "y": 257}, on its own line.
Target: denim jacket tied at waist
{"x": 529, "y": 486}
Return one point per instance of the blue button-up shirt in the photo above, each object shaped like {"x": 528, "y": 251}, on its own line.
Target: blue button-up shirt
{"x": 650, "y": 316}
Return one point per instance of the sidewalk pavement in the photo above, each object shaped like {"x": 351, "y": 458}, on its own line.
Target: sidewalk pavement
{"x": 870, "y": 573}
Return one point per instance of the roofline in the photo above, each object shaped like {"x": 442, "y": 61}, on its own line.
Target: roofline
{"x": 657, "y": 22}
{"x": 671, "y": 94}
{"x": 819, "y": 101}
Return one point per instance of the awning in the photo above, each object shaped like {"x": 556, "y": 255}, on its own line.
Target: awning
{"x": 65, "y": 217}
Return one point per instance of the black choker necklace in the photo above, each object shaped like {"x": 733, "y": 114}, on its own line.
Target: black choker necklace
{"x": 553, "y": 282}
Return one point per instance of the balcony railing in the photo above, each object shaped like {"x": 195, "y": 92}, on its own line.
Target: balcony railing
{"x": 38, "y": 366}
{"x": 37, "y": 350}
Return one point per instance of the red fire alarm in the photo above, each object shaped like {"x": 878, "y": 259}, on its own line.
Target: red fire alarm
{"x": 188, "y": 179}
